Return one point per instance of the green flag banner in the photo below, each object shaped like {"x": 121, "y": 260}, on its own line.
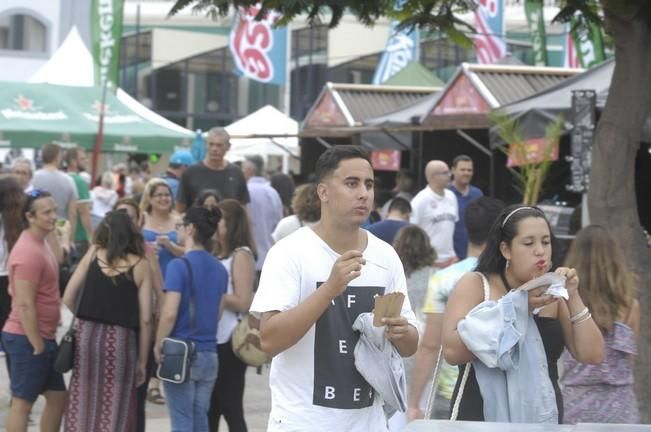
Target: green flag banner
{"x": 106, "y": 33}
{"x": 533, "y": 9}
{"x": 589, "y": 44}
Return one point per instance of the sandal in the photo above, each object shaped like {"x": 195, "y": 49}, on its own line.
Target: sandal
{"x": 154, "y": 396}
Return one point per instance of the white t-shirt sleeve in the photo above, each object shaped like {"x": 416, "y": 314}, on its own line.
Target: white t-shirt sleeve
{"x": 456, "y": 205}
{"x": 280, "y": 281}
{"x": 415, "y": 210}
{"x": 74, "y": 194}
{"x": 285, "y": 227}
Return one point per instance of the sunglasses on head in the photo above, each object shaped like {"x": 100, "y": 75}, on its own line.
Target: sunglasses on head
{"x": 37, "y": 193}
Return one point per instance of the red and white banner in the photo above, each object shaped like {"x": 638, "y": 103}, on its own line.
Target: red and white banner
{"x": 259, "y": 51}
{"x": 489, "y": 24}
{"x": 386, "y": 160}
{"x": 570, "y": 56}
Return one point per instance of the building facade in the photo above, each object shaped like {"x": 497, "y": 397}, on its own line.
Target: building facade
{"x": 181, "y": 67}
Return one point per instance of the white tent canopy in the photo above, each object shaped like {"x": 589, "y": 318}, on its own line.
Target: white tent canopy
{"x": 259, "y": 131}
{"x": 72, "y": 65}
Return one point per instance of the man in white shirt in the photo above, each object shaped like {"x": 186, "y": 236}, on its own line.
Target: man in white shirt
{"x": 314, "y": 284}
{"x": 436, "y": 211}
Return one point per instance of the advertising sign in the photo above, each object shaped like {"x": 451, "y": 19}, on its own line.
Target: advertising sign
{"x": 259, "y": 51}
{"x": 386, "y": 160}
{"x": 106, "y": 34}
{"x": 489, "y": 39}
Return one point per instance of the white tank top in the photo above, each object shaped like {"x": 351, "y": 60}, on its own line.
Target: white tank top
{"x": 229, "y": 318}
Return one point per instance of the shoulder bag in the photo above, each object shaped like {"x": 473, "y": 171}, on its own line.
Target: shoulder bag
{"x": 464, "y": 378}
{"x": 245, "y": 339}
{"x": 65, "y": 356}
{"x": 177, "y": 353}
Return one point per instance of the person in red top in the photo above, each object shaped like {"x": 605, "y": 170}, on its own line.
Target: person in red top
{"x": 28, "y": 334}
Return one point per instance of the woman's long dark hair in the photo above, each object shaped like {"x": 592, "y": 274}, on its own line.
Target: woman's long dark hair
{"x": 12, "y": 199}
{"x": 118, "y": 235}
{"x": 491, "y": 259}
{"x": 205, "y": 223}
{"x": 238, "y": 229}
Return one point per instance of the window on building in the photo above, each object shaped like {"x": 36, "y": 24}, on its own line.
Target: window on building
{"x": 20, "y": 32}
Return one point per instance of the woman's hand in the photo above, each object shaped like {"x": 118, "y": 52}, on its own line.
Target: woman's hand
{"x": 571, "y": 280}
{"x": 164, "y": 241}
{"x": 538, "y": 298}
{"x": 156, "y": 350}
{"x": 140, "y": 373}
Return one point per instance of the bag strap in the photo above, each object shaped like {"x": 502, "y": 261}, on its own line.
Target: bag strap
{"x": 240, "y": 315}
{"x": 80, "y": 294}
{"x": 192, "y": 310}
{"x": 466, "y": 372}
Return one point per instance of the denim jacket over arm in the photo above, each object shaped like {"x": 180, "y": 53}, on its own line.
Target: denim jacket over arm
{"x": 511, "y": 365}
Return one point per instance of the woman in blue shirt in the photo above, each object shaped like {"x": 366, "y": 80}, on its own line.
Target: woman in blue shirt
{"x": 159, "y": 220}
{"x": 202, "y": 274}
{"x": 159, "y": 230}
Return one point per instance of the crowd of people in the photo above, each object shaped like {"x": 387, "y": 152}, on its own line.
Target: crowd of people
{"x": 192, "y": 252}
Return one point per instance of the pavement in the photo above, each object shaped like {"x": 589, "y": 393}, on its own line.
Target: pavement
{"x": 257, "y": 399}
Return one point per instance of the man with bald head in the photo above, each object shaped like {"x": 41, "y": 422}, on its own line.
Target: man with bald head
{"x": 214, "y": 172}
{"x": 435, "y": 210}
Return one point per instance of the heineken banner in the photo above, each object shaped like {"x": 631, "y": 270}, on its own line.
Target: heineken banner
{"x": 589, "y": 44}
{"x": 536, "y": 20}
{"x": 570, "y": 60}
{"x": 259, "y": 51}
{"x": 106, "y": 33}
{"x": 401, "y": 49}
{"x": 489, "y": 24}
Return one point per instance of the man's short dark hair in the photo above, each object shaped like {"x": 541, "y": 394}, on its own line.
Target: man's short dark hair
{"x": 329, "y": 161}
{"x": 480, "y": 214}
{"x": 72, "y": 155}
{"x": 461, "y": 158}
{"x": 50, "y": 152}
{"x": 401, "y": 205}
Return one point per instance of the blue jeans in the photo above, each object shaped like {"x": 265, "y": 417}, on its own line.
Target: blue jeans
{"x": 188, "y": 403}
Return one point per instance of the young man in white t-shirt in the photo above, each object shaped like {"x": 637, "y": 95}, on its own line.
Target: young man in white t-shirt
{"x": 314, "y": 284}
{"x": 436, "y": 211}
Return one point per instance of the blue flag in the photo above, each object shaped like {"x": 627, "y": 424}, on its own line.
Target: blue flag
{"x": 401, "y": 49}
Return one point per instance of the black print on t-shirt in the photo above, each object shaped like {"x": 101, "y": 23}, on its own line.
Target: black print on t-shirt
{"x": 337, "y": 384}
{"x": 444, "y": 217}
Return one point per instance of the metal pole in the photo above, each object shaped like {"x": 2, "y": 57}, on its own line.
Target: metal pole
{"x": 135, "y": 87}
{"x": 288, "y": 73}
{"x": 100, "y": 133}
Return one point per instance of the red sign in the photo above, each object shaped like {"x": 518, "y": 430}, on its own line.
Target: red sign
{"x": 462, "y": 98}
{"x": 386, "y": 160}
{"x": 534, "y": 151}
{"x": 326, "y": 113}
{"x": 250, "y": 43}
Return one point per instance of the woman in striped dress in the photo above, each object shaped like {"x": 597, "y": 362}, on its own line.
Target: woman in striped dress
{"x": 113, "y": 304}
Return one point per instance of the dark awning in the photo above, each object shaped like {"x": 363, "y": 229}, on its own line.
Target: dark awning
{"x": 557, "y": 100}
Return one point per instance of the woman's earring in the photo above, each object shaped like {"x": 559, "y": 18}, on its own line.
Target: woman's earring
{"x": 508, "y": 264}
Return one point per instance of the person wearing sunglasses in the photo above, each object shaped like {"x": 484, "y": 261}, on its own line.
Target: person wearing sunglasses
{"x": 29, "y": 333}
{"x": 436, "y": 211}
